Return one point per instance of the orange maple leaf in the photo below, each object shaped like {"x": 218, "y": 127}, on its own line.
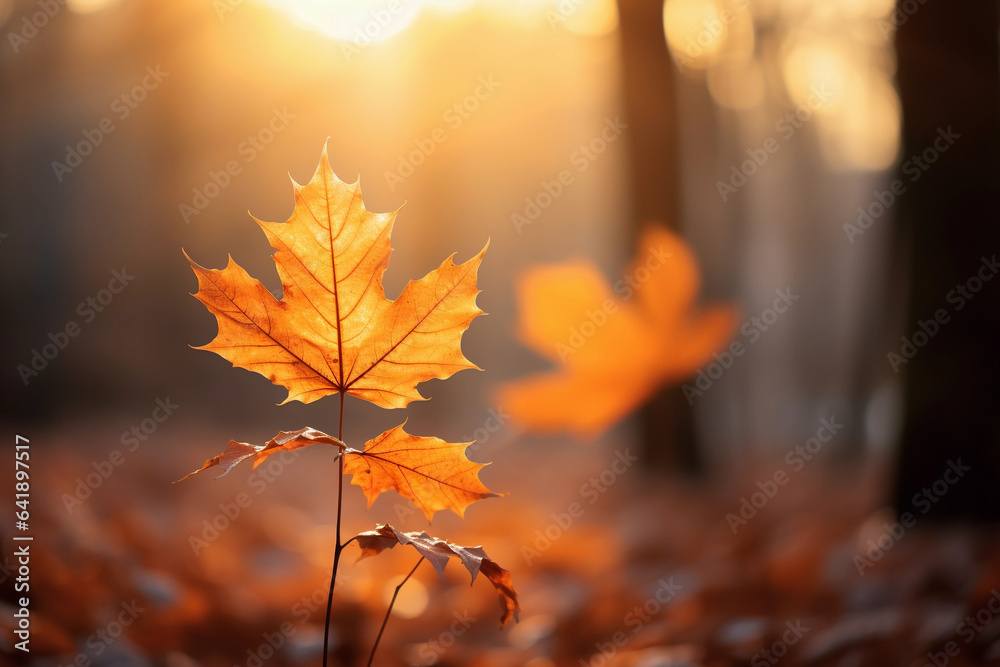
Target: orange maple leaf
{"x": 614, "y": 346}
{"x": 435, "y": 475}
{"x": 334, "y": 330}
{"x": 439, "y": 552}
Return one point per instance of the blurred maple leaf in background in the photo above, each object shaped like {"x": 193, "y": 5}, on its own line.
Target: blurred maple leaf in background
{"x": 614, "y": 345}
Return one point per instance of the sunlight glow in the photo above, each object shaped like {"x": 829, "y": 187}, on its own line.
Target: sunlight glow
{"x": 358, "y": 21}
{"x": 859, "y": 127}
{"x": 89, "y": 6}
{"x": 596, "y": 17}
{"x": 865, "y": 135}
{"x": 364, "y": 22}
{"x": 412, "y": 599}
{"x": 812, "y": 63}
{"x": 695, "y": 30}
{"x": 782, "y": 54}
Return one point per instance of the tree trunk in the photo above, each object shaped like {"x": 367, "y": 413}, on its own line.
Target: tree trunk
{"x": 949, "y": 82}
{"x": 668, "y": 432}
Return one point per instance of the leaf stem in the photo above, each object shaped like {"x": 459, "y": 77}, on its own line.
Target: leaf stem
{"x": 339, "y": 547}
{"x": 389, "y": 610}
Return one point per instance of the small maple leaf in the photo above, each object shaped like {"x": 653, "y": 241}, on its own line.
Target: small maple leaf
{"x": 439, "y": 552}
{"x": 435, "y": 475}
{"x": 612, "y": 353}
{"x": 334, "y": 330}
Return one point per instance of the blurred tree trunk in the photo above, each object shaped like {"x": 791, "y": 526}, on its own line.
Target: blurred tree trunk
{"x": 949, "y": 80}
{"x": 668, "y": 429}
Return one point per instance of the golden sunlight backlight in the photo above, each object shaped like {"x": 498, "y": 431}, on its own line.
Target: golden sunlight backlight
{"x": 360, "y": 21}
{"x": 363, "y": 21}
{"x": 695, "y": 29}
{"x": 774, "y": 54}
{"x": 412, "y": 599}
{"x": 859, "y": 126}
{"x": 89, "y": 6}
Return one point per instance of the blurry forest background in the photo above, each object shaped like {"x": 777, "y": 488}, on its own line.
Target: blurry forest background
{"x": 467, "y": 111}
{"x": 559, "y": 82}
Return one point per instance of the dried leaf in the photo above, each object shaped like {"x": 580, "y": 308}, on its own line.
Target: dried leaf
{"x": 334, "y": 330}
{"x": 438, "y": 552}
{"x": 614, "y": 346}
{"x": 435, "y": 475}
{"x": 285, "y": 441}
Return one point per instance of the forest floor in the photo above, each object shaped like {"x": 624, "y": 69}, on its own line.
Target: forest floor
{"x": 615, "y": 567}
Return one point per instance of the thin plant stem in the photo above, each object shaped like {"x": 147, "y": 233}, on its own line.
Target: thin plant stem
{"x": 389, "y": 610}
{"x": 339, "y": 547}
